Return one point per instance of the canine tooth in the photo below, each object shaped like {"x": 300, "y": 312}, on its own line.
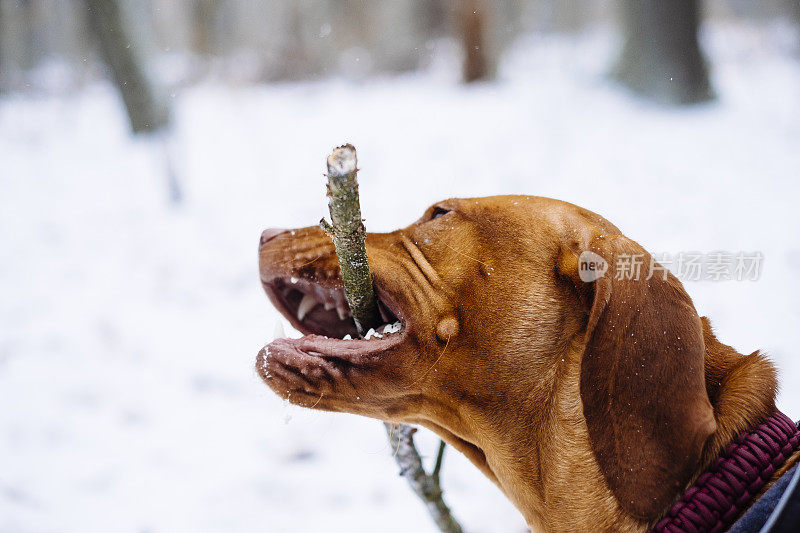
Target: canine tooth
{"x": 347, "y": 337}
{"x": 328, "y": 306}
{"x": 339, "y": 297}
{"x": 341, "y": 312}
{"x": 278, "y": 331}
{"x": 306, "y": 304}
{"x": 320, "y": 293}
{"x": 370, "y": 333}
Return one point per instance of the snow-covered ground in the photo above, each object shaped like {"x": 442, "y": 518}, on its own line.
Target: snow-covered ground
{"x": 128, "y": 328}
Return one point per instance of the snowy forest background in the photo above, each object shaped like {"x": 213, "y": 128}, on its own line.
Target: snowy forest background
{"x": 130, "y": 306}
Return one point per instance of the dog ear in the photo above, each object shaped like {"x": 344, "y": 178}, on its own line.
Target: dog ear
{"x": 642, "y": 375}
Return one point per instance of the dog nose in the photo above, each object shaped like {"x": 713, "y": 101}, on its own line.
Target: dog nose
{"x": 268, "y": 234}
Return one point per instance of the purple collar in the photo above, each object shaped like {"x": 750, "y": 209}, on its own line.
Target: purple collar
{"x": 727, "y": 488}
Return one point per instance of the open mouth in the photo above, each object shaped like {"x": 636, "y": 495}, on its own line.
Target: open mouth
{"x": 317, "y": 310}
{"x": 322, "y": 367}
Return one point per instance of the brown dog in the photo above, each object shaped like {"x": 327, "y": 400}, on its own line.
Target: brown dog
{"x": 591, "y": 404}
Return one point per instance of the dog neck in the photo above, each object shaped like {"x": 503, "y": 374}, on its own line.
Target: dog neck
{"x": 554, "y": 479}
{"x": 558, "y": 485}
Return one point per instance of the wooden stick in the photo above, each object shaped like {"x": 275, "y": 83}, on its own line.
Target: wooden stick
{"x": 348, "y": 234}
{"x": 349, "y": 238}
{"x": 426, "y": 486}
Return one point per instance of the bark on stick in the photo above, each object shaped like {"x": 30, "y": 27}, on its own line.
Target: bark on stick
{"x": 349, "y": 238}
{"x": 426, "y": 486}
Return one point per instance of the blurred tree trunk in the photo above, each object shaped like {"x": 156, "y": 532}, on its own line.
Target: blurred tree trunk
{"x": 661, "y": 57}
{"x": 794, "y": 9}
{"x": 120, "y": 54}
{"x": 472, "y": 22}
{"x": 203, "y": 26}
{"x": 146, "y": 113}
{"x": 30, "y": 51}
{"x": 2, "y": 51}
{"x": 296, "y": 64}
{"x": 433, "y": 19}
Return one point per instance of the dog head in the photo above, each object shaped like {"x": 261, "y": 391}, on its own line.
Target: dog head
{"x": 492, "y": 306}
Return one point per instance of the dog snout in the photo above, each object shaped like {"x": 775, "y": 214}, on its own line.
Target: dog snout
{"x": 269, "y": 234}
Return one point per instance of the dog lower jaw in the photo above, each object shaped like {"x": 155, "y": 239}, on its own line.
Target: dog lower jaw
{"x": 353, "y": 352}
{"x": 317, "y": 367}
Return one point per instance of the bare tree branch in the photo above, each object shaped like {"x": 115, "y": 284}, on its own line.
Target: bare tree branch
{"x": 426, "y": 487}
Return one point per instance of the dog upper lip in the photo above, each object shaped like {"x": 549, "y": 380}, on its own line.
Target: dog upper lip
{"x": 268, "y": 235}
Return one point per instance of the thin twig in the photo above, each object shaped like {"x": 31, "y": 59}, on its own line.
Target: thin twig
{"x": 437, "y": 468}
{"x": 426, "y": 486}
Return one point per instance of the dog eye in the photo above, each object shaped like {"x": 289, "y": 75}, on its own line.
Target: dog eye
{"x": 438, "y": 211}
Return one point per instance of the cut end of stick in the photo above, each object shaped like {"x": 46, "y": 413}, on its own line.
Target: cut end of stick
{"x": 342, "y": 161}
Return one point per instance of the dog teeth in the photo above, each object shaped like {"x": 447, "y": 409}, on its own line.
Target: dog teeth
{"x": 372, "y": 333}
{"x": 306, "y": 304}
{"x": 342, "y": 312}
{"x": 278, "y": 331}
{"x": 388, "y": 329}
{"x": 328, "y": 306}
{"x": 392, "y": 328}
